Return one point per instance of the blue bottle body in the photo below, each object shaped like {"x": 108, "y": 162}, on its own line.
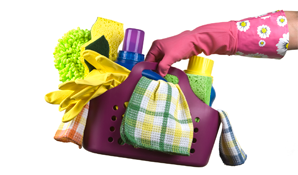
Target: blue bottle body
{"x": 129, "y": 59}
{"x": 212, "y": 96}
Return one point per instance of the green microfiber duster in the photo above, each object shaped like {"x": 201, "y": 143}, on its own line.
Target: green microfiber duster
{"x": 200, "y": 85}
{"x": 67, "y": 54}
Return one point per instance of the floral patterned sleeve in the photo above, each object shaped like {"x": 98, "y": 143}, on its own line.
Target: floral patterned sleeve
{"x": 265, "y": 36}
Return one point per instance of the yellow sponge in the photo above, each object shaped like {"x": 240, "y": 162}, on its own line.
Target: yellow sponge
{"x": 113, "y": 32}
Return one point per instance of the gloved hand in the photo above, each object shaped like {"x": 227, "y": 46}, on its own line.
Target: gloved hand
{"x": 74, "y": 95}
{"x": 265, "y": 36}
{"x": 217, "y": 38}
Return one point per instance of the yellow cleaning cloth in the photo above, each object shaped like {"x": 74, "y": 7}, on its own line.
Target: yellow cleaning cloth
{"x": 113, "y": 32}
{"x": 74, "y": 95}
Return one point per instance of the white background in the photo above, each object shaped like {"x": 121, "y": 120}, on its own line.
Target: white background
{"x": 259, "y": 94}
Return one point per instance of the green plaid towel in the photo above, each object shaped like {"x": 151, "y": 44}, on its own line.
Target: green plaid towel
{"x": 158, "y": 118}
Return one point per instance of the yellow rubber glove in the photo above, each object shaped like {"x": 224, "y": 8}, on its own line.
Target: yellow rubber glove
{"x": 74, "y": 95}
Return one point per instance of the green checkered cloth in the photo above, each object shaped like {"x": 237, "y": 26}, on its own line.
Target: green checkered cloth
{"x": 158, "y": 118}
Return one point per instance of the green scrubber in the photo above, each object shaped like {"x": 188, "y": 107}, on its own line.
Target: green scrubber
{"x": 172, "y": 78}
{"x": 201, "y": 86}
{"x": 100, "y": 46}
{"x": 67, "y": 54}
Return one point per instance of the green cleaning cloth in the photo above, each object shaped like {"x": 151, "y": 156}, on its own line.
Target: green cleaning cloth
{"x": 172, "y": 78}
{"x": 200, "y": 85}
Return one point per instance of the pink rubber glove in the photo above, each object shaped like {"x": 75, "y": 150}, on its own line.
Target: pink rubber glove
{"x": 217, "y": 38}
{"x": 265, "y": 36}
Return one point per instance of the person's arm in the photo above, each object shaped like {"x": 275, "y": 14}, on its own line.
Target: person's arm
{"x": 292, "y": 18}
{"x": 266, "y": 36}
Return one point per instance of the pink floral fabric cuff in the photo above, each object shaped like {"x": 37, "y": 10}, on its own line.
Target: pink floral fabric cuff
{"x": 264, "y": 36}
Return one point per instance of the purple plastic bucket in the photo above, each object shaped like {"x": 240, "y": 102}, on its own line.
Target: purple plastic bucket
{"x": 102, "y": 132}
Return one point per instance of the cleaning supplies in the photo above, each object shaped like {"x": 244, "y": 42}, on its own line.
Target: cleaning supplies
{"x": 73, "y": 130}
{"x": 131, "y": 52}
{"x": 74, "y": 95}
{"x": 158, "y": 118}
{"x": 67, "y": 54}
{"x": 199, "y": 74}
{"x": 113, "y": 32}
